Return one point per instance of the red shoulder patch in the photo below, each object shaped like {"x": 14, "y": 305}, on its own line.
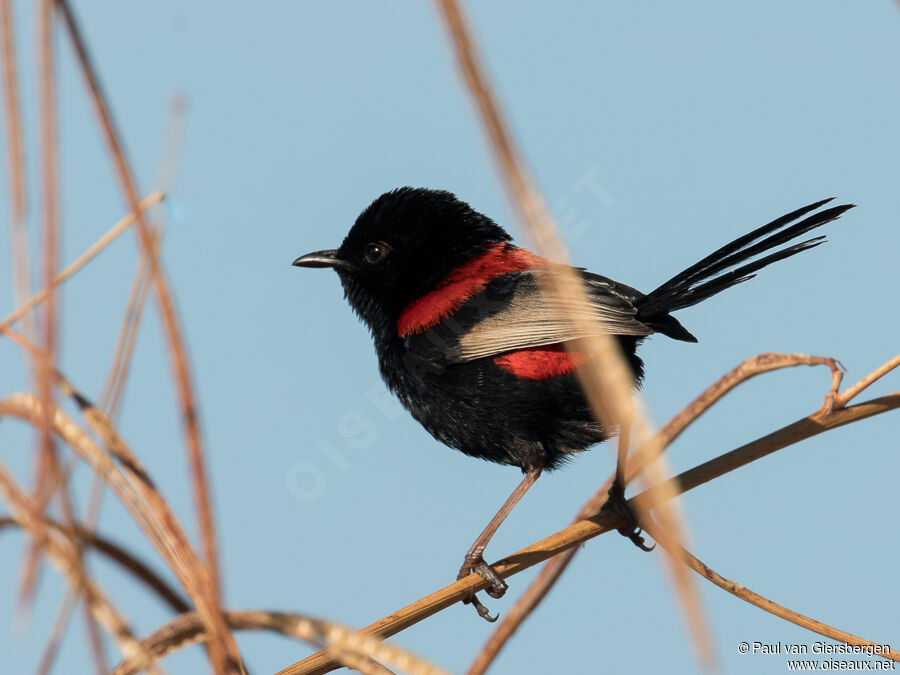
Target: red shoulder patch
{"x": 540, "y": 363}
{"x": 462, "y": 283}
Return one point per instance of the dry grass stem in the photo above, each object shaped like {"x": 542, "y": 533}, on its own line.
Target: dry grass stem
{"x": 744, "y": 371}
{"x": 80, "y": 262}
{"x": 853, "y": 391}
{"x": 60, "y": 486}
{"x": 526, "y": 603}
{"x": 606, "y": 379}
{"x": 122, "y": 353}
{"x": 27, "y": 408}
{"x": 780, "y": 611}
{"x": 15, "y": 155}
{"x": 353, "y": 648}
{"x": 44, "y": 359}
{"x": 537, "y": 590}
{"x": 65, "y": 557}
{"x": 18, "y": 234}
{"x": 116, "y": 554}
{"x": 223, "y": 648}
{"x": 50, "y": 214}
{"x": 110, "y": 401}
{"x": 19, "y": 249}
{"x": 149, "y": 508}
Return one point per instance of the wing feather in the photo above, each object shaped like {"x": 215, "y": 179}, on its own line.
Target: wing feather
{"x": 534, "y": 315}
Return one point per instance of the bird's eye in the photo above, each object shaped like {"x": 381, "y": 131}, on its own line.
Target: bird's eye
{"x": 376, "y": 251}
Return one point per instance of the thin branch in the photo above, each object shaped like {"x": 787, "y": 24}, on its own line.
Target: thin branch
{"x": 60, "y": 480}
{"x": 109, "y": 401}
{"x": 354, "y": 648}
{"x": 80, "y": 262}
{"x": 744, "y": 371}
{"x": 154, "y": 515}
{"x": 535, "y": 593}
{"x": 600, "y": 523}
{"x": 192, "y": 573}
{"x": 46, "y": 460}
{"x": 224, "y": 651}
{"x": 852, "y": 392}
{"x": 50, "y": 212}
{"x": 118, "y": 555}
{"x": 111, "y": 398}
{"x": 15, "y": 156}
{"x": 800, "y": 430}
{"x": 20, "y": 255}
{"x": 781, "y": 611}
{"x": 114, "y": 392}
{"x": 65, "y": 559}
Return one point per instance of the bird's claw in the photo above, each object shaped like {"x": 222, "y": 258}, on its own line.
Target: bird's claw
{"x": 636, "y": 536}
{"x": 617, "y": 503}
{"x": 496, "y": 586}
{"x": 483, "y": 611}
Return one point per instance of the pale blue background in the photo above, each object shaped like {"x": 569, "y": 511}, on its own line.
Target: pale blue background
{"x": 699, "y": 120}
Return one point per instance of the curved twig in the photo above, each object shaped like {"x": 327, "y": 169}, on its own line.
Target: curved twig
{"x": 65, "y": 557}
{"x": 349, "y": 647}
{"x": 119, "y": 555}
{"x": 155, "y": 517}
{"x": 781, "y": 611}
{"x": 853, "y": 391}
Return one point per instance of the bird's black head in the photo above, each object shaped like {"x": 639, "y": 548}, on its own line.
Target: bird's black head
{"x": 402, "y": 246}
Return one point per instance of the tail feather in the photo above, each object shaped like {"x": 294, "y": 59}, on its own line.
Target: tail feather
{"x": 733, "y": 277}
{"x": 740, "y": 243}
{"x": 703, "y": 279}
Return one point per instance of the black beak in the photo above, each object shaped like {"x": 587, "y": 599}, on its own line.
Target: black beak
{"x": 320, "y": 259}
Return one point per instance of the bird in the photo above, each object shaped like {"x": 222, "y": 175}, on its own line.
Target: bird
{"x": 475, "y": 344}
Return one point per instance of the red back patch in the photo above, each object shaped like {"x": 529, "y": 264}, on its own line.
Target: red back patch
{"x": 462, "y": 283}
{"x": 539, "y": 363}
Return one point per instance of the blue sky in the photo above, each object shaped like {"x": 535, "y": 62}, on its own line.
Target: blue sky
{"x": 657, "y": 133}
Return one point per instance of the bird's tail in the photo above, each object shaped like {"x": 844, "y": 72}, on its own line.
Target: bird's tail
{"x": 707, "y": 277}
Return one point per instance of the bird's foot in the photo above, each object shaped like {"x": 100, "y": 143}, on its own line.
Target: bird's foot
{"x": 617, "y": 503}
{"x": 496, "y": 586}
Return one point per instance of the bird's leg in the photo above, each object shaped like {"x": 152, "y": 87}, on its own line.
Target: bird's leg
{"x": 616, "y": 501}
{"x": 474, "y": 560}
{"x": 622, "y": 454}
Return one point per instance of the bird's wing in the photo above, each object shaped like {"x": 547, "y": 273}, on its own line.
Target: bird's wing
{"x": 521, "y": 311}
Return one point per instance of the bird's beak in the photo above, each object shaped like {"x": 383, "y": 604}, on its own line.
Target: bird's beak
{"x": 327, "y": 258}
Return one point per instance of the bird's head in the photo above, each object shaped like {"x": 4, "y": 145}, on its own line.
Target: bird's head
{"x": 402, "y": 246}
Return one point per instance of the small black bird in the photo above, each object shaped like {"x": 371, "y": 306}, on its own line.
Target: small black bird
{"x": 472, "y": 343}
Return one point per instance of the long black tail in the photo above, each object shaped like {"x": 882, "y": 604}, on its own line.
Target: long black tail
{"x": 703, "y": 279}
